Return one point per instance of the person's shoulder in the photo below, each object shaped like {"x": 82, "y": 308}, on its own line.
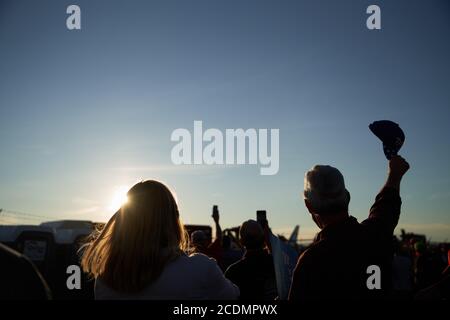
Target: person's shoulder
{"x": 10, "y": 253}
{"x": 203, "y": 265}
{"x": 199, "y": 258}
{"x": 11, "y": 257}
{"x": 310, "y": 254}
{"x": 234, "y": 267}
{"x": 18, "y": 271}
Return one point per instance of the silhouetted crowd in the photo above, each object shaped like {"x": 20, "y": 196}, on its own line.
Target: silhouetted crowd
{"x": 144, "y": 252}
{"x": 420, "y": 269}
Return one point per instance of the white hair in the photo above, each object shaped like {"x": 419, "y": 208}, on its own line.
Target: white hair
{"x": 325, "y": 190}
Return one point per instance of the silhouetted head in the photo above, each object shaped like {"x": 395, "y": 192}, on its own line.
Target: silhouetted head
{"x": 420, "y": 247}
{"x": 252, "y": 235}
{"x": 199, "y": 239}
{"x": 134, "y": 246}
{"x": 325, "y": 195}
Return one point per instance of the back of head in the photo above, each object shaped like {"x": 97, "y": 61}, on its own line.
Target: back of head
{"x": 252, "y": 235}
{"x": 325, "y": 190}
{"x": 133, "y": 248}
{"x": 199, "y": 238}
{"x": 420, "y": 247}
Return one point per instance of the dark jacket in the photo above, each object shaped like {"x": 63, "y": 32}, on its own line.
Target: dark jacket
{"x": 19, "y": 278}
{"x": 335, "y": 265}
{"x": 254, "y": 274}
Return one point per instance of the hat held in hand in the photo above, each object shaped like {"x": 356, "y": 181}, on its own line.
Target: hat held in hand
{"x": 390, "y": 134}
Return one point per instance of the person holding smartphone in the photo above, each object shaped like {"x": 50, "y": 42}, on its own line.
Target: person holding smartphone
{"x": 254, "y": 274}
{"x": 200, "y": 243}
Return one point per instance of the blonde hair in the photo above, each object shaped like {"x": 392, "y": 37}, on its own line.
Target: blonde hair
{"x": 138, "y": 241}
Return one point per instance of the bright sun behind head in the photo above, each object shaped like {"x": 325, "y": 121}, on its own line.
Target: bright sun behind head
{"x": 119, "y": 198}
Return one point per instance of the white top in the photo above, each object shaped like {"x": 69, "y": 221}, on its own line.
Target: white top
{"x": 194, "y": 277}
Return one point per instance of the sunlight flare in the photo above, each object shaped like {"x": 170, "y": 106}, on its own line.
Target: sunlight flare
{"x": 119, "y": 198}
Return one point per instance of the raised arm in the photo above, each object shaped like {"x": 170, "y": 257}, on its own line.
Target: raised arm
{"x": 385, "y": 212}
{"x": 216, "y": 216}
{"x": 397, "y": 169}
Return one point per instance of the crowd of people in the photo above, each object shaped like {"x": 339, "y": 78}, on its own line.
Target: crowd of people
{"x": 420, "y": 269}
{"x": 144, "y": 252}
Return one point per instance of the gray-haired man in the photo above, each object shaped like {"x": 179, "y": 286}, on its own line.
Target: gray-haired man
{"x": 338, "y": 264}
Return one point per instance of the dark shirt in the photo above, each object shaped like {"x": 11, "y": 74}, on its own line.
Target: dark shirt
{"x": 19, "y": 278}
{"x": 335, "y": 265}
{"x": 230, "y": 256}
{"x": 213, "y": 250}
{"x": 254, "y": 274}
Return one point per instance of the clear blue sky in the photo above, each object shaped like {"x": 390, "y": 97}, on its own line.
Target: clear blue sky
{"x": 83, "y": 113}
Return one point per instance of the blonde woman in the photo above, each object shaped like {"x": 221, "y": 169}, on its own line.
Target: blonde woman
{"x": 141, "y": 253}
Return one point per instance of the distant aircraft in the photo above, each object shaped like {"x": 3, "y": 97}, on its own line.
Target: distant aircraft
{"x": 294, "y": 235}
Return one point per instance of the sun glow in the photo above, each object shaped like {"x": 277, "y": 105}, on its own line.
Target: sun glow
{"x": 119, "y": 198}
